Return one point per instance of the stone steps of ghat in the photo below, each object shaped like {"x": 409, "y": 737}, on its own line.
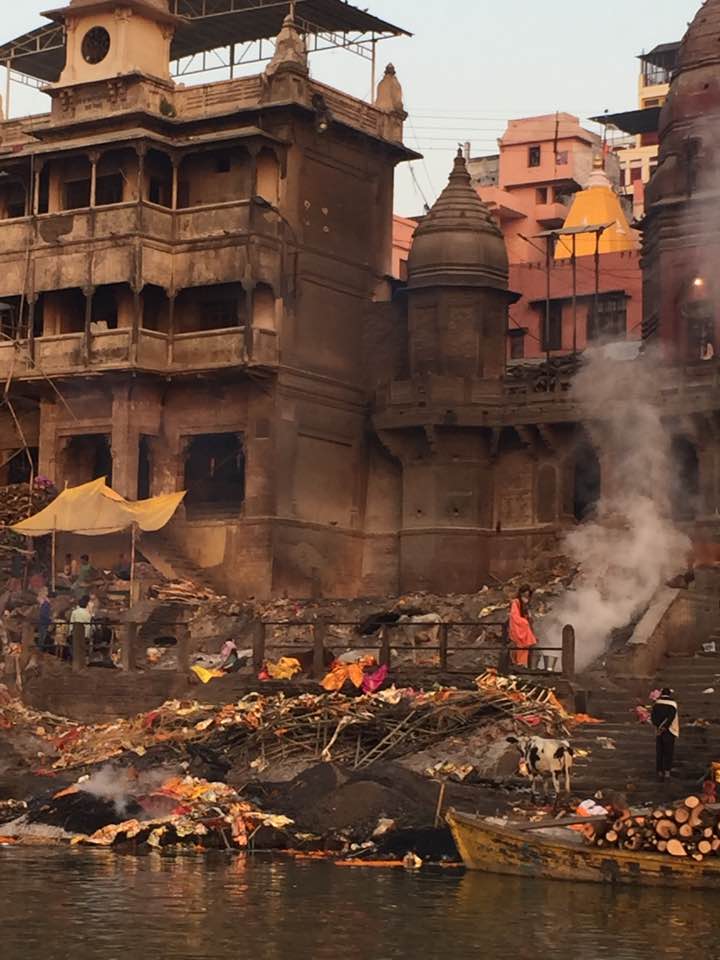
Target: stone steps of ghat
{"x": 631, "y": 765}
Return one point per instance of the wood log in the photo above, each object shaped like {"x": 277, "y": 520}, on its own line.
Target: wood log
{"x": 708, "y": 833}
{"x": 669, "y": 814}
{"x": 685, "y": 831}
{"x": 676, "y": 849}
{"x": 658, "y": 814}
{"x": 715, "y": 844}
{"x": 666, "y": 829}
{"x": 692, "y": 803}
{"x": 704, "y": 847}
{"x": 611, "y": 836}
{"x": 698, "y": 857}
{"x": 681, "y": 815}
{"x": 696, "y": 816}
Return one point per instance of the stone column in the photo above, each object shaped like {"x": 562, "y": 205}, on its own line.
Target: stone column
{"x": 94, "y": 157}
{"x": 89, "y": 293}
{"x": 125, "y": 443}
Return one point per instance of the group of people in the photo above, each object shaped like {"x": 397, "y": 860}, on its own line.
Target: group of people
{"x": 77, "y": 578}
{"x": 664, "y": 716}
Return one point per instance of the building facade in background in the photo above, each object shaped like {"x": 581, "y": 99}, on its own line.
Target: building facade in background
{"x": 199, "y": 291}
{"x": 633, "y": 134}
{"x": 534, "y": 186}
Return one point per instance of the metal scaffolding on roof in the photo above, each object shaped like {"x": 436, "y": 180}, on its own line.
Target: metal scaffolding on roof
{"x": 217, "y": 35}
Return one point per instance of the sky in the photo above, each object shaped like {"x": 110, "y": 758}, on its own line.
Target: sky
{"x": 472, "y": 64}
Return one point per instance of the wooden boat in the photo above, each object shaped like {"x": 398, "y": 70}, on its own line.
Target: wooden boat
{"x": 524, "y": 853}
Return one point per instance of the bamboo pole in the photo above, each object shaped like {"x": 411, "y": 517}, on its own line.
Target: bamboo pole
{"x": 132, "y": 562}
{"x": 53, "y": 556}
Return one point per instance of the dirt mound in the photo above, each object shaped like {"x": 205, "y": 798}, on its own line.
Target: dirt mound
{"x": 327, "y": 798}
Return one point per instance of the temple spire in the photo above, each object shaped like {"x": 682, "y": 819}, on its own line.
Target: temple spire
{"x": 290, "y": 49}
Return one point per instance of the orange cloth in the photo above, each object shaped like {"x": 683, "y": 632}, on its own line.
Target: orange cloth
{"x": 521, "y": 635}
{"x": 340, "y": 672}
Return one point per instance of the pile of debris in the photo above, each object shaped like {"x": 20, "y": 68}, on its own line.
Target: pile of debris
{"x": 259, "y": 730}
{"x": 121, "y": 806}
{"x": 17, "y": 502}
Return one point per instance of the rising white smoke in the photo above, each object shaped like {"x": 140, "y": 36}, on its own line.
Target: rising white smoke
{"x": 632, "y": 546}
{"x": 121, "y": 785}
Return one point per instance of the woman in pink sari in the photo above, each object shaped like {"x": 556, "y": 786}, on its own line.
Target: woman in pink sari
{"x": 521, "y": 632}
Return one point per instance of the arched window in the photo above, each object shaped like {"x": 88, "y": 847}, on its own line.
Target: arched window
{"x": 698, "y": 314}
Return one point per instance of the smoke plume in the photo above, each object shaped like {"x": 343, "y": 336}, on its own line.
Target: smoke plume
{"x": 121, "y": 785}
{"x": 631, "y": 546}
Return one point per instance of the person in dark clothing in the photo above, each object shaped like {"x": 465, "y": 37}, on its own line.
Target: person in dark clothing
{"x": 666, "y": 720}
{"x": 44, "y": 621}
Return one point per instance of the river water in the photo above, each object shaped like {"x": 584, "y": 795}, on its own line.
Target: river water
{"x": 96, "y": 905}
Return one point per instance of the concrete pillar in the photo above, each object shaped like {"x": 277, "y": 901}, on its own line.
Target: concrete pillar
{"x": 47, "y": 441}
{"x": 89, "y": 293}
{"x": 125, "y": 443}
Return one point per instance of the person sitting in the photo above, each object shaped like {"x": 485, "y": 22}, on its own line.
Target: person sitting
{"x": 81, "y": 614}
{"x": 122, "y": 568}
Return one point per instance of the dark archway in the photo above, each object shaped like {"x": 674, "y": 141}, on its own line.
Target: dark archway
{"x": 685, "y": 479}
{"x": 587, "y": 486}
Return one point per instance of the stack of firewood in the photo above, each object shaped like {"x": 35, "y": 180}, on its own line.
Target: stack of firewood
{"x": 687, "y": 830}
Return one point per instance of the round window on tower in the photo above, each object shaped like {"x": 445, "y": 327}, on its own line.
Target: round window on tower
{"x": 96, "y": 45}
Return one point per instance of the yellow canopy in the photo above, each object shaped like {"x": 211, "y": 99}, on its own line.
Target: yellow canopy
{"x": 597, "y": 204}
{"x": 94, "y": 509}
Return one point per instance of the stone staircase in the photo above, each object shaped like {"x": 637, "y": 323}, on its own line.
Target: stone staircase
{"x": 171, "y": 562}
{"x": 631, "y": 765}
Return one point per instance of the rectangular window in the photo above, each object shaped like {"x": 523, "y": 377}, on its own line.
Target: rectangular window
{"x": 77, "y": 194}
{"x": 609, "y": 321}
{"x": 541, "y": 195}
{"x": 534, "y": 156}
{"x": 222, "y": 163}
{"x": 517, "y": 343}
{"x": 109, "y": 189}
{"x": 159, "y": 192}
{"x": 551, "y": 332}
{"x": 220, "y": 314}
{"x": 562, "y": 158}
{"x": 635, "y": 174}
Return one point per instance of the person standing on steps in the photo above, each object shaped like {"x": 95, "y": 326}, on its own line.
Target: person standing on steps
{"x": 666, "y": 720}
{"x": 520, "y": 629}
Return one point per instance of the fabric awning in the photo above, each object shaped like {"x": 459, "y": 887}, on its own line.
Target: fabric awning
{"x": 94, "y": 509}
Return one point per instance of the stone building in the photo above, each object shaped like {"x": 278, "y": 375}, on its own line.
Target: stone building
{"x": 196, "y": 292}
{"x": 184, "y": 276}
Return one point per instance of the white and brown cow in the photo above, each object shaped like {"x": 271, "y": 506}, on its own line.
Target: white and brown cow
{"x": 543, "y": 759}
{"x": 421, "y": 629}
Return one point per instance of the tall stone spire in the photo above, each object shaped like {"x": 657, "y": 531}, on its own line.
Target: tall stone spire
{"x": 458, "y": 243}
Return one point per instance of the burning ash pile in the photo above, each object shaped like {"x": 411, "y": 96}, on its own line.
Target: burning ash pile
{"x": 632, "y": 547}
{"x": 192, "y": 773}
{"x": 153, "y": 808}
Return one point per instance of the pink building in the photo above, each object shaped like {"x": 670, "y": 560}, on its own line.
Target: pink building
{"x": 536, "y": 184}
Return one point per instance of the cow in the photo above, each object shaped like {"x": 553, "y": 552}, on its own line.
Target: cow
{"x": 422, "y": 629}
{"x": 543, "y": 759}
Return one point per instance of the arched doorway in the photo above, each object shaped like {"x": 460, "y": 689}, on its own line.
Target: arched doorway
{"x": 685, "y": 479}
{"x": 587, "y": 485}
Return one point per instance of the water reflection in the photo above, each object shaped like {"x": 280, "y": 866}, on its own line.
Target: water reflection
{"x": 96, "y": 905}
